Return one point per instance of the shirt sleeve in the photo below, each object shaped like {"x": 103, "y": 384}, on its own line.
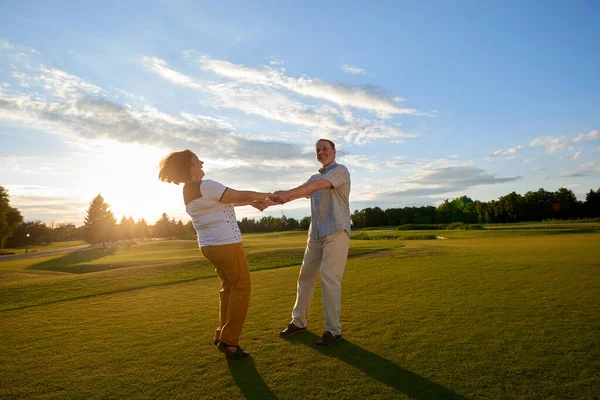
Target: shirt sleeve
{"x": 212, "y": 189}
{"x": 337, "y": 176}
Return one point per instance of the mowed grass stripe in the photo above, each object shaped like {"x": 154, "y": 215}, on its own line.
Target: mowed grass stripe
{"x": 475, "y": 318}
{"x": 96, "y": 272}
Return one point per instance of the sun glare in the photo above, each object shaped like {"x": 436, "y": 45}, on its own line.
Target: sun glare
{"x": 127, "y": 177}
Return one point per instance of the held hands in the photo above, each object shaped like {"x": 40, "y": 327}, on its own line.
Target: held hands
{"x": 283, "y": 196}
{"x": 278, "y": 197}
{"x": 271, "y": 200}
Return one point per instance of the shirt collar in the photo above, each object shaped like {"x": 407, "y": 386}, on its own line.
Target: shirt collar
{"x": 333, "y": 164}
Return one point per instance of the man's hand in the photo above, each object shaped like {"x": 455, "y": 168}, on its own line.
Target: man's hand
{"x": 284, "y": 196}
{"x": 264, "y": 204}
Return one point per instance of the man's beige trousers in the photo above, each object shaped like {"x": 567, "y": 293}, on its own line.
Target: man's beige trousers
{"x": 327, "y": 256}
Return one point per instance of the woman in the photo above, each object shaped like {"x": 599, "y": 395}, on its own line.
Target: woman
{"x": 210, "y": 204}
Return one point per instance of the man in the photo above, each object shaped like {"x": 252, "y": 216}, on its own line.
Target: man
{"x": 328, "y": 242}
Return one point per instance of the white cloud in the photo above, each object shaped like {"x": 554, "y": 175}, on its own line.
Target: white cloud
{"x": 586, "y": 169}
{"x": 552, "y": 143}
{"x": 537, "y": 169}
{"x": 359, "y": 160}
{"x": 508, "y": 152}
{"x": 274, "y": 61}
{"x": 252, "y": 92}
{"x": 353, "y": 70}
{"x": 5, "y": 45}
{"x": 159, "y": 67}
{"x": 64, "y": 85}
{"x": 68, "y": 107}
{"x": 436, "y": 182}
{"x": 366, "y": 97}
{"x": 592, "y": 135}
{"x": 576, "y": 156}
{"x": 23, "y": 78}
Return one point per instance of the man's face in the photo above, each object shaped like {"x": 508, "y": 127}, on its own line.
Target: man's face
{"x": 325, "y": 154}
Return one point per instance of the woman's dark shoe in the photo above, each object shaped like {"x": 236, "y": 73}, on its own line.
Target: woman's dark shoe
{"x": 233, "y": 355}
{"x": 216, "y": 342}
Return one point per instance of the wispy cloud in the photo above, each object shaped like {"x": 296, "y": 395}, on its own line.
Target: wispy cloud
{"x": 593, "y": 135}
{"x": 509, "y": 152}
{"x": 257, "y": 92}
{"x": 586, "y": 169}
{"x": 70, "y": 106}
{"x": 353, "y": 70}
{"x": 359, "y": 160}
{"x": 436, "y": 182}
{"x": 554, "y": 143}
{"x": 550, "y": 143}
{"x": 159, "y": 66}
{"x": 364, "y": 97}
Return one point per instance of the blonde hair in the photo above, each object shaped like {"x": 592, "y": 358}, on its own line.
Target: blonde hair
{"x": 176, "y": 167}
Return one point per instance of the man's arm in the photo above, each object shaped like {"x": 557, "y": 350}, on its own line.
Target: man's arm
{"x": 303, "y": 190}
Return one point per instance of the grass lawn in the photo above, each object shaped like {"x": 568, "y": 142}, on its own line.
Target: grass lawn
{"x": 499, "y": 314}
{"x": 46, "y": 247}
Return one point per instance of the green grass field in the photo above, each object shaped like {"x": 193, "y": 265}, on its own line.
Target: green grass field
{"x": 500, "y": 314}
{"x": 46, "y": 247}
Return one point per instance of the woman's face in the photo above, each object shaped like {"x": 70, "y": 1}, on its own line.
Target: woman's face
{"x": 196, "y": 168}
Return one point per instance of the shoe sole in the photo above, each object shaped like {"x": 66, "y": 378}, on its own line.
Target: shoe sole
{"x": 330, "y": 344}
{"x": 291, "y": 334}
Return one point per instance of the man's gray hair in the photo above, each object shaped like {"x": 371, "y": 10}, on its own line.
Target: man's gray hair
{"x": 326, "y": 140}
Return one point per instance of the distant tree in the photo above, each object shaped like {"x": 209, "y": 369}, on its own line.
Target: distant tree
{"x": 566, "y": 205}
{"x": 444, "y": 212}
{"x": 189, "y": 228}
{"x": 510, "y": 208}
{"x": 10, "y": 217}
{"x": 305, "y": 223}
{"x": 289, "y": 224}
{"x": 100, "y": 223}
{"x": 538, "y": 205}
{"x": 358, "y": 218}
{"x": 162, "y": 228}
{"x": 38, "y": 232}
{"x": 63, "y": 232}
{"x": 179, "y": 229}
{"x": 592, "y": 204}
{"x": 126, "y": 228}
{"x": 375, "y": 216}
{"x": 142, "y": 230}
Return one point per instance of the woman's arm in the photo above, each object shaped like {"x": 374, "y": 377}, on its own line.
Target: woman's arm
{"x": 244, "y": 197}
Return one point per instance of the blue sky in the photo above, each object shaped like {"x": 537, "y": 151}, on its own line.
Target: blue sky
{"x": 425, "y": 100}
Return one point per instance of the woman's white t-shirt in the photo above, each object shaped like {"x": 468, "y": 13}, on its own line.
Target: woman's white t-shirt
{"x": 213, "y": 220}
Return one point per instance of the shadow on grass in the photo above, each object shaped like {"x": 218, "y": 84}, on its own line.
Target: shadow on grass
{"x": 379, "y": 368}
{"x": 75, "y": 262}
{"x": 247, "y": 378}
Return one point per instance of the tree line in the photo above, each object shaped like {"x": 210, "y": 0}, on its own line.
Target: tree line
{"x": 532, "y": 206}
{"x": 100, "y": 225}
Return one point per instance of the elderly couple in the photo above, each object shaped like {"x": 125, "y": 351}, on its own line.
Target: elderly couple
{"x": 210, "y": 205}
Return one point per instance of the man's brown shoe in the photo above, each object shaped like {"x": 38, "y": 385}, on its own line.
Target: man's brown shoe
{"x": 290, "y": 330}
